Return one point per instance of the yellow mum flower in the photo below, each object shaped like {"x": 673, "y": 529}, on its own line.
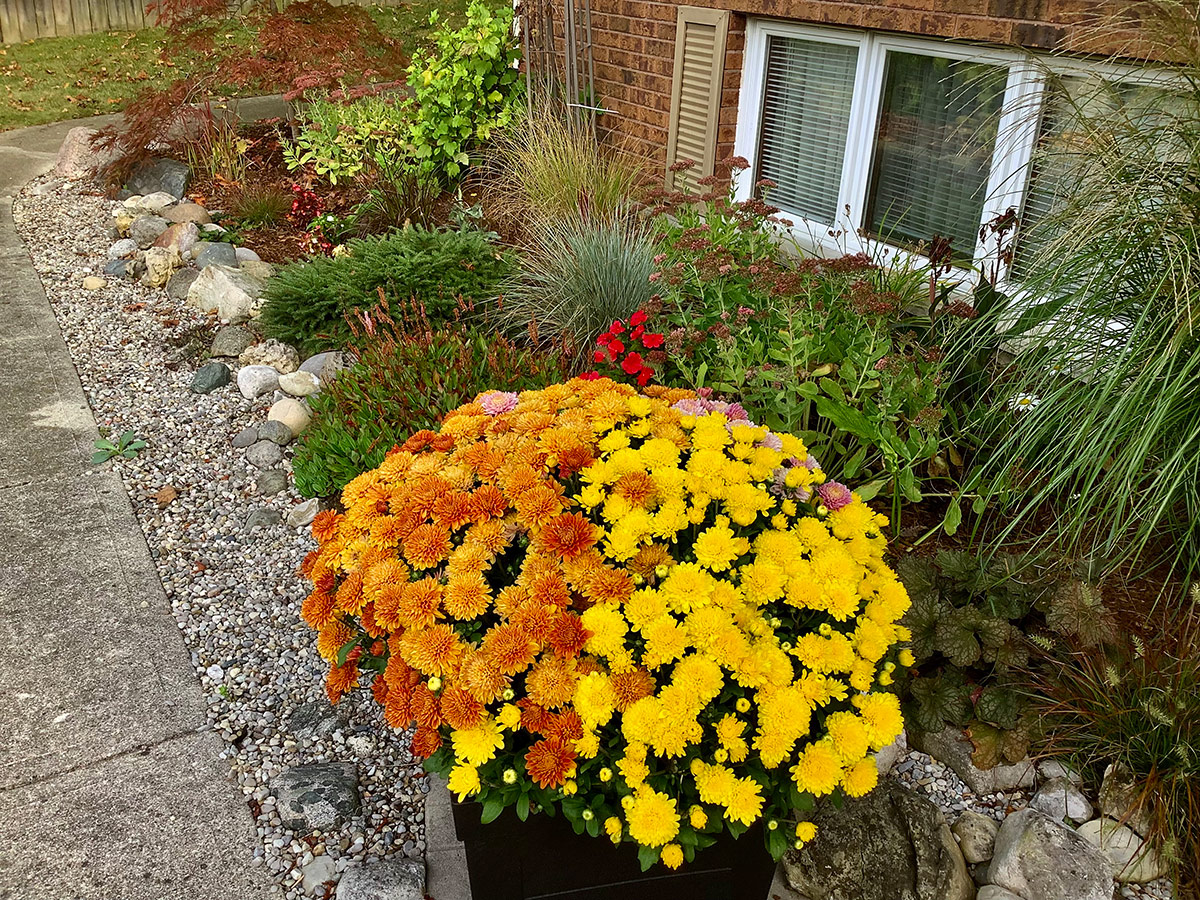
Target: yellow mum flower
{"x": 672, "y": 856}
{"x": 595, "y": 700}
{"x": 849, "y": 735}
{"x": 653, "y": 818}
{"x": 805, "y": 831}
{"x": 861, "y": 777}
{"x": 716, "y": 547}
{"x": 477, "y": 745}
{"x": 819, "y": 770}
{"x": 463, "y": 781}
{"x": 613, "y": 828}
{"x": 697, "y": 817}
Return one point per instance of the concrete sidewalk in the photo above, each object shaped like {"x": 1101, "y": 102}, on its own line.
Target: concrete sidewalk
{"x": 108, "y": 790}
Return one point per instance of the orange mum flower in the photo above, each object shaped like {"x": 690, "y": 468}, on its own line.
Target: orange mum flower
{"x": 467, "y": 596}
{"x": 533, "y": 717}
{"x": 387, "y": 531}
{"x": 460, "y": 710}
{"x": 566, "y": 535}
{"x": 332, "y": 637}
{"x": 535, "y": 618}
{"x": 317, "y": 609}
{"x": 487, "y": 502}
{"x": 549, "y": 762}
{"x": 369, "y": 623}
{"x": 648, "y": 559}
{"x": 325, "y": 580}
{"x": 306, "y": 564}
{"x": 426, "y": 742}
{"x": 426, "y": 491}
{"x": 418, "y": 441}
{"x": 492, "y": 536}
{"x": 419, "y": 604}
{"x": 568, "y": 635}
{"x": 396, "y": 710}
{"x": 325, "y": 525}
{"x": 387, "y": 571}
{"x": 551, "y": 683}
{"x": 579, "y": 569}
{"x": 565, "y": 725}
{"x": 631, "y": 686}
{"x": 399, "y": 674}
{"x": 509, "y": 600}
{"x": 433, "y": 651}
{"x": 340, "y": 680}
{"x": 452, "y": 510}
{"x": 636, "y": 487}
{"x": 469, "y": 559}
{"x": 427, "y": 546}
{"x": 574, "y": 460}
{"x": 379, "y": 690}
{"x": 538, "y": 505}
{"x": 608, "y": 586}
{"x": 483, "y": 459}
{"x": 480, "y": 677}
{"x": 509, "y": 648}
{"x": 549, "y": 587}
{"x": 350, "y": 594}
{"x": 442, "y": 443}
{"x": 423, "y": 703}
{"x": 518, "y": 478}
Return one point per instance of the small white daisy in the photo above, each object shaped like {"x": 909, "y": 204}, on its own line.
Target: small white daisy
{"x": 1023, "y": 402}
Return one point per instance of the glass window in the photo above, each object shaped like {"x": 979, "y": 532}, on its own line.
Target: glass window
{"x": 806, "y": 116}
{"x": 934, "y": 141}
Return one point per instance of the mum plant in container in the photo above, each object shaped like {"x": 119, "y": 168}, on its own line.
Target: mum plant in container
{"x": 638, "y": 610}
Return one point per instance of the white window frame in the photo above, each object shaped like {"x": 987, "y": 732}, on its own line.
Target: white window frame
{"x": 1016, "y": 135}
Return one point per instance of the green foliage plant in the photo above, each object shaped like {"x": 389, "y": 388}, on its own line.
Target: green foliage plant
{"x": 464, "y": 87}
{"x": 127, "y": 446}
{"x": 974, "y": 624}
{"x": 339, "y": 139}
{"x": 577, "y": 276}
{"x": 408, "y": 376}
{"x": 399, "y": 194}
{"x": 1135, "y": 704}
{"x": 257, "y": 205}
{"x": 307, "y": 302}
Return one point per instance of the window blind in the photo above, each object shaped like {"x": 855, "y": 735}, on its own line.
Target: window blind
{"x": 933, "y": 149}
{"x": 807, "y": 93}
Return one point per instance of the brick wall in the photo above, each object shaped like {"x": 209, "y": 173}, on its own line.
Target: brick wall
{"x": 634, "y": 46}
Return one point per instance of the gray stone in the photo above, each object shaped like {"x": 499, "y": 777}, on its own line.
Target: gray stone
{"x": 952, "y": 747}
{"x": 116, "y": 267}
{"x": 1121, "y": 798}
{"x": 263, "y": 271}
{"x": 889, "y": 845}
{"x": 976, "y": 835}
{"x": 1053, "y": 768}
{"x": 885, "y": 759}
{"x": 316, "y": 797}
{"x": 1133, "y": 858}
{"x": 230, "y": 293}
{"x": 264, "y": 454}
{"x": 188, "y": 212}
{"x": 325, "y": 365}
{"x": 179, "y": 237}
{"x": 180, "y": 283}
{"x": 145, "y": 230}
{"x": 303, "y": 514}
{"x": 215, "y": 253}
{"x": 271, "y": 482}
{"x": 281, "y": 357}
{"x": 1039, "y": 858}
{"x": 210, "y": 377}
{"x": 254, "y": 381}
{"x": 276, "y": 432}
{"x": 1060, "y": 799}
{"x": 168, "y": 175}
{"x": 995, "y": 892}
{"x": 304, "y": 384}
{"x": 316, "y": 873}
{"x": 160, "y": 263}
{"x": 291, "y": 413}
{"x": 231, "y": 340}
{"x": 262, "y": 518}
{"x": 315, "y": 719}
{"x": 981, "y": 872}
{"x": 245, "y": 254}
{"x": 78, "y": 157}
{"x": 245, "y": 437}
{"x": 154, "y": 203}
{"x": 389, "y": 879}
{"x": 123, "y": 248}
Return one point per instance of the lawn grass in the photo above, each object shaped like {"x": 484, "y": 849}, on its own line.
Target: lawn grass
{"x": 51, "y": 79}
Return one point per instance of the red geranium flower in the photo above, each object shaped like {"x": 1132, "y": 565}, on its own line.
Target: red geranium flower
{"x": 644, "y": 376}
{"x": 615, "y": 349}
{"x": 632, "y": 364}
{"x": 637, "y": 318}
{"x": 652, "y": 340}
{"x": 598, "y": 356}
{"x": 616, "y": 327}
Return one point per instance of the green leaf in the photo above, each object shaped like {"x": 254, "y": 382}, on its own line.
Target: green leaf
{"x": 101, "y": 456}
{"x": 833, "y": 389}
{"x": 648, "y": 856}
{"x": 777, "y": 843}
{"x": 953, "y": 517}
{"x": 344, "y": 650}
{"x": 523, "y": 807}
{"x": 999, "y": 706}
{"x": 492, "y": 807}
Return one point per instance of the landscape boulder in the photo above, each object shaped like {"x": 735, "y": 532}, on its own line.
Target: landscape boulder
{"x": 952, "y": 747}
{"x": 1133, "y": 857}
{"x": 1060, "y": 799}
{"x": 188, "y": 212}
{"x": 291, "y": 413}
{"x": 389, "y": 879}
{"x": 254, "y": 381}
{"x": 316, "y": 797}
{"x": 179, "y": 237}
{"x": 1039, "y": 858}
{"x": 228, "y": 292}
{"x": 231, "y": 340}
{"x": 281, "y": 357}
{"x": 169, "y": 175}
{"x": 78, "y": 157}
{"x": 161, "y": 263}
{"x": 215, "y": 253}
{"x": 976, "y": 835}
{"x": 145, "y": 230}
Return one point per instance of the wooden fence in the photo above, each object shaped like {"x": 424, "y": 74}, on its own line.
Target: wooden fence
{"x": 24, "y": 20}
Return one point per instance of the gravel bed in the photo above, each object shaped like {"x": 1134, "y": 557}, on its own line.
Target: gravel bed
{"x": 235, "y": 594}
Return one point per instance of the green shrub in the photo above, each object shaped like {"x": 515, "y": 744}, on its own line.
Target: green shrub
{"x": 341, "y": 139}
{"x": 973, "y": 625}
{"x": 577, "y": 277}
{"x": 463, "y": 88}
{"x": 306, "y": 303}
{"x": 402, "y": 383}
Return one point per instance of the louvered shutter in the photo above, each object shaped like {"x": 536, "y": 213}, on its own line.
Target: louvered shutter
{"x": 696, "y": 93}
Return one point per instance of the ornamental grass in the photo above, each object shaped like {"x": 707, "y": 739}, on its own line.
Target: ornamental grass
{"x": 638, "y": 609}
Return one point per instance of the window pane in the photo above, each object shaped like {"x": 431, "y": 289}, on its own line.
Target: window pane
{"x": 806, "y": 115}
{"x": 933, "y": 149}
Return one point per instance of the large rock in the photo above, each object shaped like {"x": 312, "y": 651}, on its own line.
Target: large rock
{"x": 316, "y": 873}
{"x": 160, "y": 263}
{"x": 1038, "y": 858}
{"x": 276, "y": 432}
{"x": 254, "y": 381}
{"x": 976, "y": 835}
{"x": 316, "y": 797}
{"x": 179, "y": 237}
{"x": 271, "y": 482}
{"x": 263, "y": 518}
{"x": 168, "y": 175}
{"x": 263, "y": 271}
{"x": 155, "y": 204}
{"x": 215, "y": 253}
{"x": 123, "y": 248}
{"x": 389, "y": 879}
{"x": 1060, "y": 799}
{"x": 302, "y": 515}
{"x": 181, "y": 282}
{"x": 885, "y": 759}
{"x": 890, "y": 845}
{"x": 188, "y": 212}
{"x": 1133, "y": 858}
{"x": 145, "y": 230}
{"x": 231, "y": 340}
{"x": 78, "y": 157}
{"x": 264, "y": 454}
{"x": 315, "y": 719}
{"x": 325, "y": 365}
{"x": 995, "y": 892}
{"x": 210, "y": 377}
{"x": 952, "y": 747}
{"x": 281, "y": 357}
{"x": 1122, "y": 799}
{"x": 303, "y": 384}
{"x": 230, "y": 293}
{"x": 291, "y": 413}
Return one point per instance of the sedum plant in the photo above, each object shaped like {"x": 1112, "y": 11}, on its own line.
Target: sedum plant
{"x": 639, "y": 610}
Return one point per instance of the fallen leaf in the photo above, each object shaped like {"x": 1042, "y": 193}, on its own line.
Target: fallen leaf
{"x": 165, "y": 496}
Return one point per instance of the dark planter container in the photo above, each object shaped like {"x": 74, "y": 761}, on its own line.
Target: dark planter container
{"x": 543, "y": 858}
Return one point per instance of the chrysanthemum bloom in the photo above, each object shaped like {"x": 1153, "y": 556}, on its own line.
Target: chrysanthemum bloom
{"x": 835, "y": 495}
{"x": 549, "y": 762}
